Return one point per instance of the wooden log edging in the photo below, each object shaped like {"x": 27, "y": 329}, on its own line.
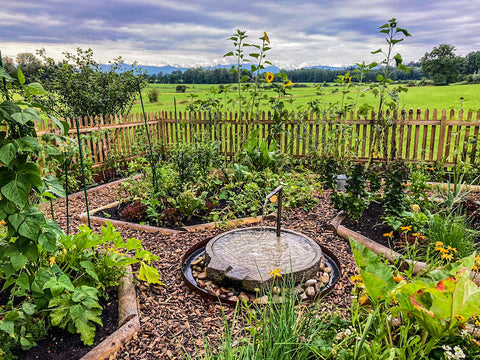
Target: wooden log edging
{"x": 165, "y": 231}
{"x": 392, "y": 256}
{"x": 128, "y": 322}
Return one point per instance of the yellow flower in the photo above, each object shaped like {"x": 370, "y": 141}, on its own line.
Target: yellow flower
{"x": 389, "y": 235}
{"x": 447, "y": 257}
{"x": 348, "y": 79}
{"x": 356, "y": 278}
{"x": 266, "y": 37}
{"x": 363, "y": 300}
{"x": 452, "y": 249}
{"x": 477, "y": 259}
{"x": 288, "y": 84}
{"x": 52, "y": 261}
{"x": 460, "y": 318}
{"x": 439, "y": 244}
{"x": 2, "y": 222}
{"x": 406, "y": 228}
{"x": 398, "y": 278}
{"x": 269, "y": 77}
{"x": 273, "y": 198}
{"x": 275, "y": 273}
{"x": 418, "y": 236}
{"x": 415, "y": 207}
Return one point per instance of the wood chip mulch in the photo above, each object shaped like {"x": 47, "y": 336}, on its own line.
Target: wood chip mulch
{"x": 174, "y": 320}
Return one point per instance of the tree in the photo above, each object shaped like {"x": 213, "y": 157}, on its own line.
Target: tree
{"x": 30, "y": 65}
{"x": 78, "y": 86}
{"x": 442, "y": 65}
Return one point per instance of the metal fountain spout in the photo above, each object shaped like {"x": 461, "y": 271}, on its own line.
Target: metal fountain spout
{"x": 278, "y": 191}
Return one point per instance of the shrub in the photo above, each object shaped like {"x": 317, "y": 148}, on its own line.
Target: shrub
{"x": 181, "y": 88}
{"x": 153, "y": 95}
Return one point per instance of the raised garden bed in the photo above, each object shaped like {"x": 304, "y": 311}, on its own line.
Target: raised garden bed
{"x": 113, "y": 209}
{"x": 120, "y": 322}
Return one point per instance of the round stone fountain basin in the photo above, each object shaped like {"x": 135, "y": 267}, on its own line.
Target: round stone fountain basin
{"x": 251, "y": 256}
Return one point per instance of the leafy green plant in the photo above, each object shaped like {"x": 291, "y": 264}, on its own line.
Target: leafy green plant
{"x": 356, "y": 199}
{"x": 452, "y": 230}
{"x": 430, "y": 309}
{"x": 394, "y": 195}
{"x": 259, "y": 154}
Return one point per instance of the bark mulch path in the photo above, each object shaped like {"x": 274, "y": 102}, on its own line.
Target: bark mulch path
{"x": 174, "y": 320}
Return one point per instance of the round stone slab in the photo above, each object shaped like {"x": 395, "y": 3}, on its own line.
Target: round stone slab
{"x": 248, "y": 256}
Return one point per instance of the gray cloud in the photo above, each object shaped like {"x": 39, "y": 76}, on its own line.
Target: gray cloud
{"x": 195, "y": 33}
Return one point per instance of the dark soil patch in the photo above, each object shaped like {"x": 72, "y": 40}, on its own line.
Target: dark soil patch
{"x": 62, "y": 345}
{"x": 371, "y": 224}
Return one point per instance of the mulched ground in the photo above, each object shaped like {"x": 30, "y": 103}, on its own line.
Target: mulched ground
{"x": 174, "y": 320}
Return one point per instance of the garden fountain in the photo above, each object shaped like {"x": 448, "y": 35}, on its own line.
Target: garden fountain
{"x": 251, "y": 258}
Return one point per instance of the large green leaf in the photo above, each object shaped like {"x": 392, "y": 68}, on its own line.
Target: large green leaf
{"x": 83, "y": 319}
{"x": 48, "y": 241}
{"x": 7, "y": 153}
{"x": 36, "y": 89}
{"x": 466, "y": 296}
{"x": 54, "y": 186}
{"x": 376, "y": 275}
{"x": 18, "y": 261}
{"x": 16, "y": 192}
{"x": 89, "y": 269}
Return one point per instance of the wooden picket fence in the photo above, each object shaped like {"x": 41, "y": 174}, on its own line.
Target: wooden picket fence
{"x": 445, "y": 137}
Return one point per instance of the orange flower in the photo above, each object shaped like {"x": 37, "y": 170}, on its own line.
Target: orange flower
{"x": 406, "y": 228}
{"x": 389, "y": 235}
{"x": 269, "y": 77}
{"x": 2, "y": 222}
{"x": 52, "y": 261}
{"x": 418, "y": 236}
{"x": 398, "y": 278}
{"x": 273, "y": 198}
{"x": 431, "y": 168}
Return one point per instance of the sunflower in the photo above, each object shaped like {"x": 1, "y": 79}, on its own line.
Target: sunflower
{"x": 266, "y": 37}
{"x": 269, "y": 77}
{"x": 289, "y": 83}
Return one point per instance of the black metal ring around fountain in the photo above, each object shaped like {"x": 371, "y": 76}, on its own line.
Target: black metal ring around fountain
{"x": 198, "y": 249}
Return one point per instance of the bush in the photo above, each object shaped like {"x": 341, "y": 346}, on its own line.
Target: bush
{"x": 153, "y": 95}
{"x": 181, "y": 88}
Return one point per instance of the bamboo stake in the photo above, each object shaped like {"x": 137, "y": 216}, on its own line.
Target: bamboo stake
{"x": 83, "y": 170}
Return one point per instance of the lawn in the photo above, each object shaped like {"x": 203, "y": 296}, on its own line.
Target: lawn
{"x": 427, "y": 97}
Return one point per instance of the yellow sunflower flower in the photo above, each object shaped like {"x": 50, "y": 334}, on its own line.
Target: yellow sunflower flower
{"x": 269, "y": 77}
{"x": 288, "y": 84}
{"x": 266, "y": 37}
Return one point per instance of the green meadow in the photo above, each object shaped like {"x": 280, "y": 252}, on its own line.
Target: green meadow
{"x": 466, "y": 97}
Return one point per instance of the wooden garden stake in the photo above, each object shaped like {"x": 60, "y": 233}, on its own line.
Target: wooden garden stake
{"x": 152, "y": 160}
{"x": 83, "y": 170}
{"x": 66, "y": 192}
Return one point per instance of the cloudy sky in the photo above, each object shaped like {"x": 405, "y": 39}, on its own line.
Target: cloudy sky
{"x": 194, "y": 33}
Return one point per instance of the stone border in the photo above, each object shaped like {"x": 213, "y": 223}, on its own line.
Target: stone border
{"x": 392, "y": 256}
{"x": 153, "y": 229}
{"x": 128, "y": 322}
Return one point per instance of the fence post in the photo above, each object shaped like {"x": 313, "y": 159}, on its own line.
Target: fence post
{"x": 441, "y": 139}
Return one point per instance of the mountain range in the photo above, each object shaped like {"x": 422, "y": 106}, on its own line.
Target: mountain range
{"x": 168, "y": 69}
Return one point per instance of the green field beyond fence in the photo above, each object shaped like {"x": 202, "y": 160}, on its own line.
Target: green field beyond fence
{"x": 431, "y": 136}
